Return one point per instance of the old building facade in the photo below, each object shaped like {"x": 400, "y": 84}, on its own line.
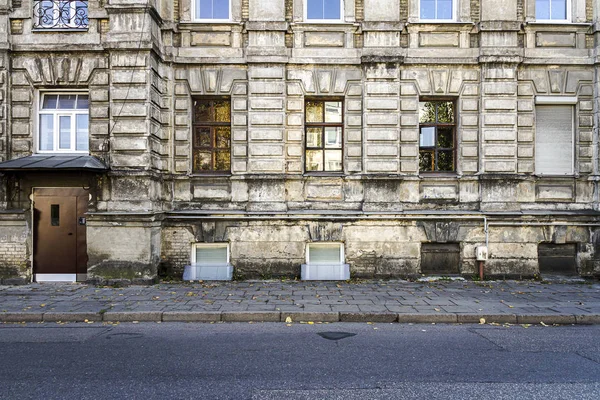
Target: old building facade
{"x": 395, "y": 136}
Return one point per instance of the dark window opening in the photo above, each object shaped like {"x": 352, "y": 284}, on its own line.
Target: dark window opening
{"x": 437, "y": 133}
{"x": 212, "y": 136}
{"x": 324, "y": 122}
{"x": 55, "y": 215}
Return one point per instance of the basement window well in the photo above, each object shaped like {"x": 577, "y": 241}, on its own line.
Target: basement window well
{"x": 209, "y": 262}
{"x": 440, "y": 258}
{"x": 325, "y": 262}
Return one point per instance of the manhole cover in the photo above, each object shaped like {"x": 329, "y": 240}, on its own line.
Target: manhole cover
{"x": 335, "y": 335}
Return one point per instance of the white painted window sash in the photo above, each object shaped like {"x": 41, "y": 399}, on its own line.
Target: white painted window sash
{"x": 56, "y": 114}
{"x": 326, "y": 21}
{"x": 567, "y": 20}
{"x": 436, "y": 20}
{"x": 339, "y": 245}
{"x": 196, "y": 13}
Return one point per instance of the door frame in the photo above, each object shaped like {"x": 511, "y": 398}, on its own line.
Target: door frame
{"x": 77, "y": 276}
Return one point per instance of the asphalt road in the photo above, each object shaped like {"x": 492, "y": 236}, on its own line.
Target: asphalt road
{"x": 321, "y": 361}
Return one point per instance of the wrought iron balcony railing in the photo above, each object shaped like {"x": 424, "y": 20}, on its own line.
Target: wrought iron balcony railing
{"x": 60, "y": 14}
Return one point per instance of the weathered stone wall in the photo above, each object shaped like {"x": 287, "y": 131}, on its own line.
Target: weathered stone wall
{"x": 144, "y": 63}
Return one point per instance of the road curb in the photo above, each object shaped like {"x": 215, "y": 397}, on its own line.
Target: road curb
{"x": 276, "y": 316}
{"x": 129, "y": 316}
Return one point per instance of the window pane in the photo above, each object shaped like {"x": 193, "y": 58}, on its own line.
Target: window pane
{"x": 64, "y": 139}
{"x": 221, "y": 9}
{"x": 314, "y": 160}
{"x": 55, "y": 214}
{"x": 83, "y": 102}
{"x": 202, "y": 161}
{"x": 202, "y": 138}
{"x": 80, "y": 18}
{"x": 445, "y": 138}
{"x": 314, "y": 9}
{"x": 426, "y": 112}
{"x": 542, "y": 9}
{"x": 82, "y": 133}
{"x": 204, "y": 9}
{"x": 559, "y": 9}
{"x": 45, "y": 12}
{"x": 444, "y": 9}
{"x": 67, "y": 101}
{"x": 333, "y": 111}
{"x": 222, "y": 111}
{"x": 333, "y": 138}
{"x": 324, "y": 254}
{"x": 314, "y": 137}
{"x": 314, "y": 111}
{"x": 46, "y": 132}
{"x": 427, "y": 9}
{"x": 445, "y": 161}
{"x": 333, "y": 160}
{"x": 445, "y": 112}
{"x": 427, "y": 137}
{"x": 222, "y": 160}
{"x": 211, "y": 255}
{"x": 331, "y": 10}
{"x": 223, "y": 137}
{"x": 50, "y": 102}
{"x": 426, "y": 161}
{"x": 202, "y": 111}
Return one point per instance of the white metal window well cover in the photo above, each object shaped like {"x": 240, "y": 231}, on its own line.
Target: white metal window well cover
{"x": 210, "y": 263}
{"x": 325, "y": 272}
{"x": 325, "y": 261}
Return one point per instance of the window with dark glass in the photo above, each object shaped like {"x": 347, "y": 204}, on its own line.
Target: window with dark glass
{"x": 324, "y": 135}
{"x": 60, "y": 14}
{"x": 437, "y": 129}
{"x": 212, "y": 135}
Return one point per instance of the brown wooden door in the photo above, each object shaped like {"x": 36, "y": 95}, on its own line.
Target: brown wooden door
{"x": 59, "y": 231}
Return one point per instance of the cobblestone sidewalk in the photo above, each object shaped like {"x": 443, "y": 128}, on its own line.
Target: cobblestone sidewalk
{"x": 374, "y": 301}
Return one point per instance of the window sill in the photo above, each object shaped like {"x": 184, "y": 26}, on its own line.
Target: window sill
{"x": 551, "y": 22}
{"x": 436, "y": 174}
{"x": 324, "y": 174}
{"x": 42, "y": 30}
{"x": 210, "y": 174}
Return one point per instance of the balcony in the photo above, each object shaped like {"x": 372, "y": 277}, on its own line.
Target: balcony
{"x": 60, "y": 15}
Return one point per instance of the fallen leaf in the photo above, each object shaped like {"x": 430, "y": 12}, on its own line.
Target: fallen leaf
{"x": 542, "y": 323}
{"x": 288, "y": 320}
{"x": 481, "y": 321}
{"x": 437, "y": 309}
{"x": 311, "y": 323}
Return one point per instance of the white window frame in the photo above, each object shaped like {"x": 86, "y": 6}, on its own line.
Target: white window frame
{"x": 454, "y": 13}
{"x": 56, "y": 9}
{"x": 569, "y": 15}
{"x": 195, "y": 18}
{"x": 324, "y": 21}
{"x": 325, "y": 244}
{"x": 195, "y": 246}
{"x": 56, "y": 113}
{"x": 559, "y": 101}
